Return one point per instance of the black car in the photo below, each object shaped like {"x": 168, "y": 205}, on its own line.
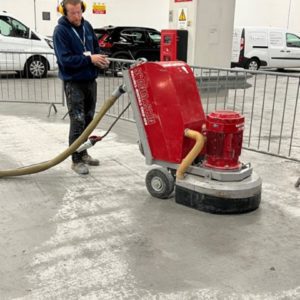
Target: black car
{"x": 129, "y": 43}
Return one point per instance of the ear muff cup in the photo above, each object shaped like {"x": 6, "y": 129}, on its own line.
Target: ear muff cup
{"x": 83, "y": 6}
{"x": 63, "y": 11}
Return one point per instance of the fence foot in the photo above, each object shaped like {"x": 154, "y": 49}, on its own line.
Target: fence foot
{"x": 54, "y": 107}
{"x": 297, "y": 184}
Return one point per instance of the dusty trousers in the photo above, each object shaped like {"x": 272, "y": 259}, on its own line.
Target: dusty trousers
{"x": 81, "y": 101}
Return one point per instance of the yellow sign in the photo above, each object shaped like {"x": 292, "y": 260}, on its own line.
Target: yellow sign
{"x": 99, "y": 8}
{"x": 182, "y": 16}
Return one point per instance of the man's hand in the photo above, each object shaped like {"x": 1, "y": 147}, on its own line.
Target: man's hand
{"x": 100, "y": 61}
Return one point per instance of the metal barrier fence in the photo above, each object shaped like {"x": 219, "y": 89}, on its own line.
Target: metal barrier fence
{"x": 27, "y": 77}
{"x": 107, "y": 83}
{"x": 268, "y": 100}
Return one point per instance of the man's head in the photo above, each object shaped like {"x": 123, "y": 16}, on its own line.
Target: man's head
{"x": 73, "y": 10}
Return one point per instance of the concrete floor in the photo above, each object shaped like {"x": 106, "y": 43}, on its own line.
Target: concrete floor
{"x": 102, "y": 236}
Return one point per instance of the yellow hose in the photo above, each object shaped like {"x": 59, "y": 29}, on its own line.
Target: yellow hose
{"x": 62, "y": 156}
{"x": 188, "y": 160}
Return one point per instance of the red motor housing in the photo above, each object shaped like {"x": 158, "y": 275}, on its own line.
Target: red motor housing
{"x": 224, "y": 131}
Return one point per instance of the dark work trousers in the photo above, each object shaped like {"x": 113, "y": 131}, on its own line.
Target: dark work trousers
{"x": 81, "y": 102}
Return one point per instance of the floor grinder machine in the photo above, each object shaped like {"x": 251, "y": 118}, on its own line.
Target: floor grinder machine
{"x": 198, "y": 155}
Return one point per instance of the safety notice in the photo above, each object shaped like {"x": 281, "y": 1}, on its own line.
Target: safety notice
{"x": 99, "y": 8}
{"x": 182, "y": 18}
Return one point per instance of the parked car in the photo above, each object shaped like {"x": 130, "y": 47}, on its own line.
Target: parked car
{"x": 24, "y": 50}
{"x": 255, "y": 47}
{"x": 129, "y": 43}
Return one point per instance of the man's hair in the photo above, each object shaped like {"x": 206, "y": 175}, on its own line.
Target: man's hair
{"x": 73, "y": 2}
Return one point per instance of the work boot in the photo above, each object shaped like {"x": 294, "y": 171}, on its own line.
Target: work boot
{"x": 80, "y": 168}
{"x": 87, "y": 159}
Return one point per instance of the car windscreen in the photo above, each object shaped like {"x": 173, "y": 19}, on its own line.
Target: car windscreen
{"x": 154, "y": 37}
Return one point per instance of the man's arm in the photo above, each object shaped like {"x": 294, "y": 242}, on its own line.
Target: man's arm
{"x": 65, "y": 56}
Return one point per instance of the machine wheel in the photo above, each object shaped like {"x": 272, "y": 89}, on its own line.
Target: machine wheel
{"x": 36, "y": 67}
{"x": 160, "y": 183}
{"x": 253, "y": 64}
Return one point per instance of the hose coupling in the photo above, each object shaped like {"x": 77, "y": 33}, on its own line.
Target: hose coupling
{"x": 119, "y": 91}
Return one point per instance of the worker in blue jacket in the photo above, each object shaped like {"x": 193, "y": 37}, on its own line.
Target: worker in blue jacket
{"x": 79, "y": 58}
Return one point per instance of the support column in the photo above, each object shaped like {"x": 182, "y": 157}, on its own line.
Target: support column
{"x": 210, "y": 27}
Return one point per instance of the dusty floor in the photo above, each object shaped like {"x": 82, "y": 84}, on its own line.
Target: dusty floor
{"x": 102, "y": 236}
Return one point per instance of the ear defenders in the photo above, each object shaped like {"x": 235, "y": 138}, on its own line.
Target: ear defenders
{"x": 63, "y": 11}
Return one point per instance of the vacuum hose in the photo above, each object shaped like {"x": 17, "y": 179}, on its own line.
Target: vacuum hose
{"x": 188, "y": 160}
{"x": 83, "y": 137}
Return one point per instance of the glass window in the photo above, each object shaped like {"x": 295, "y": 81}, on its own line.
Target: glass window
{"x": 20, "y": 30}
{"x": 133, "y": 35}
{"x": 13, "y": 28}
{"x": 154, "y": 37}
{"x": 292, "y": 40}
{"x": 5, "y": 27}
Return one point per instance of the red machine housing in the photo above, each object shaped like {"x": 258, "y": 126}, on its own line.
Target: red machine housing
{"x": 224, "y": 131}
{"x": 173, "y": 45}
{"x": 168, "y": 101}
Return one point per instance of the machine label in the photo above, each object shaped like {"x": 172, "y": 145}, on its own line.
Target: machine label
{"x": 142, "y": 95}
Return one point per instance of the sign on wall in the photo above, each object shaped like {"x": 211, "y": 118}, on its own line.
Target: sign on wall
{"x": 99, "y": 8}
{"x": 182, "y": 18}
{"x": 46, "y": 16}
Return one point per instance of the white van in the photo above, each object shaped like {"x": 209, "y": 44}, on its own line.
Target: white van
{"x": 23, "y": 50}
{"x": 255, "y": 47}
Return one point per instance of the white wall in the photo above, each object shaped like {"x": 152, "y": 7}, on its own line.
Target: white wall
{"x": 152, "y": 13}
{"x": 274, "y": 13}
{"x": 155, "y": 13}
{"x": 149, "y": 13}
{"x": 210, "y": 21}
{"x": 21, "y": 9}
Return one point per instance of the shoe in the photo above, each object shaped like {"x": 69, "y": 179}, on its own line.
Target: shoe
{"x": 87, "y": 159}
{"x": 80, "y": 168}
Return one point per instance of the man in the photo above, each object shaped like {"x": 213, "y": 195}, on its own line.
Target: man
{"x": 78, "y": 57}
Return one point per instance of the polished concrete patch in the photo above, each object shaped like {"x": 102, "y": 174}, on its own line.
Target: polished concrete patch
{"x": 102, "y": 236}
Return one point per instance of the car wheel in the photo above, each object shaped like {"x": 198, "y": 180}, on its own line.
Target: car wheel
{"x": 36, "y": 67}
{"x": 253, "y": 64}
{"x": 119, "y": 66}
{"x": 160, "y": 183}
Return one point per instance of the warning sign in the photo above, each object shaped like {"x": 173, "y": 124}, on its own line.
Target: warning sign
{"x": 99, "y": 8}
{"x": 182, "y": 18}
